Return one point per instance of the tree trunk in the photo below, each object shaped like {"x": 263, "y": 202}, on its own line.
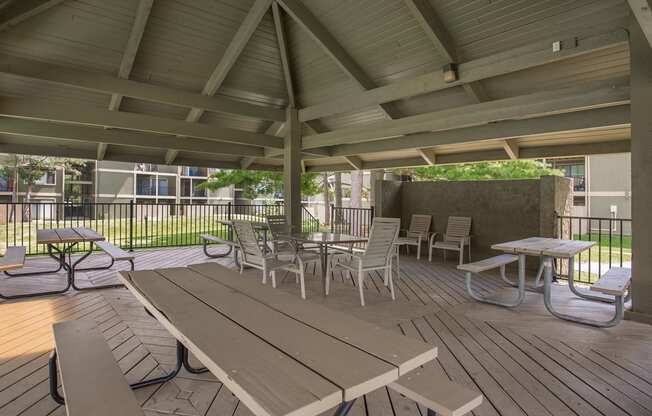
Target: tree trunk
{"x": 356, "y": 189}
{"x": 327, "y": 201}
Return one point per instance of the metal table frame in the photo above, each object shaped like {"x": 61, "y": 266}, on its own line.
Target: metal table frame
{"x": 233, "y": 248}
{"x": 60, "y": 255}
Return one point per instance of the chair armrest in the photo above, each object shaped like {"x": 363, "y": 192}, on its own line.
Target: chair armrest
{"x": 431, "y": 240}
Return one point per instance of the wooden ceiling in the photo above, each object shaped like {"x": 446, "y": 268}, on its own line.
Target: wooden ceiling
{"x": 207, "y": 82}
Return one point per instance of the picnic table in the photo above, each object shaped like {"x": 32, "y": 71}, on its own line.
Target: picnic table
{"x": 277, "y": 353}
{"x": 549, "y": 249}
{"x": 60, "y": 244}
{"x": 323, "y": 241}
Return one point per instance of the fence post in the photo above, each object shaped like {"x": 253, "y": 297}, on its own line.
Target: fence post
{"x": 131, "y": 225}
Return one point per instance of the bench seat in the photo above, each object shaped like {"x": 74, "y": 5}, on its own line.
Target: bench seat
{"x": 114, "y": 251}
{"x": 435, "y": 392}
{"x": 14, "y": 258}
{"x": 615, "y": 282}
{"x": 92, "y": 381}
{"x": 488, "y": 264}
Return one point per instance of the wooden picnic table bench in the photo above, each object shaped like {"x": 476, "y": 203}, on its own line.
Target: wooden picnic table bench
{"x": 278, "y": 354}
{"x": 93, "y": 383}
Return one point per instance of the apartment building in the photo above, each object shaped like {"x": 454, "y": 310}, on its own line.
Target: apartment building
{"x": 106, "y": 182}
{"x": 602, "y": 184}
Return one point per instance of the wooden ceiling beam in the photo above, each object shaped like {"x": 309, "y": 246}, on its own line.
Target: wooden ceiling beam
{"x": 21, "y": 10}
{"x": 518, "y": 59}
{"x": 55, "y": 111}
{"x": 531, "y": 105}
{"x": 574, "y": 121}
{"x": 511, "y": 148}
{"x": 642, "y": 10}
{"x": 99, "y": 82}
{"x": 538, "y": 152}
{"x": 283, "y": 52}
{"x": 229, "y": 58}
{"x": 48, "y": 130}
{"x": 128, "y": 58}
{"x": 436, "y": 32}
{"x": 355, "y": 162}
{"x": 428, "y": 155}
{"x": 300, "y": 13}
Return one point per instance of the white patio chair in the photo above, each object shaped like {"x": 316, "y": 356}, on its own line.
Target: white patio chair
{"x": 253, "y": 256}
{"x": 418, "y": 233}
{"x": 278, "y": 225}
{"x": 376, "y": 256}
{"x": 458, "y": 235}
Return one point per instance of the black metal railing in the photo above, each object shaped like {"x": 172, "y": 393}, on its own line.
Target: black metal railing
{"x": 131, "y": 225}
{"x": 352, "y": 221}
{"x": 613, "y": 249}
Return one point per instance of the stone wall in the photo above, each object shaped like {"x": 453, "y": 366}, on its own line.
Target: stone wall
{"x": 502, "y": 210}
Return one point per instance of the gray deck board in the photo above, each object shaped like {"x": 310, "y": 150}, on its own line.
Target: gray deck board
{"x": 524, "y": 362}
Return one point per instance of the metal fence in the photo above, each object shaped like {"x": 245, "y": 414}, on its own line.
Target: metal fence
{"x": 352, "y": 221}
{"x": 613, "y": 248}
{"x": 131, "y": 225}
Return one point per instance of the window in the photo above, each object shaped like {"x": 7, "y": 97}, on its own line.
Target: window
{"x": 48, "y": 178}
{"x": 573, "y": 169}
{"x": 163, "y": 187}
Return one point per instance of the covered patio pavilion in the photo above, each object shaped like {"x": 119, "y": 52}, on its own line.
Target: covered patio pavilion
{"x": 324, "y": 86}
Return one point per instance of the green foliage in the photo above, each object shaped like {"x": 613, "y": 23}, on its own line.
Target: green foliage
{"x": 512, "y": 169}
{"x": 256, "y": 183}
{"x": 30, "y": 169}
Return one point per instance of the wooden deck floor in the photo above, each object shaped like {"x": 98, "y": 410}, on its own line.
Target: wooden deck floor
{"x": 524, "y": 361}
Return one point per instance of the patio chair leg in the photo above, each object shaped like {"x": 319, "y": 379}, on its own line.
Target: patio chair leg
{"x": 388, "y": 272}
{"x": 54, "y": 378}
{"x": 302, "y": 282}
{"x": 360, "y": 286}
{"x": 328, "y": 276}
{"x": 419, "y": 249}
{"x": 273, "y": 274}
{"x": 264, "y": 274}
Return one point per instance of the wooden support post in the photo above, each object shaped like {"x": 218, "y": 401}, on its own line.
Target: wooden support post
{"x": 292, "y": 170}
{"x": 641, "y": 147}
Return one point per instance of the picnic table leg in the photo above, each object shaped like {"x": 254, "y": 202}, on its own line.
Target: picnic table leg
{"x": 521, "y": 286}
{"x": 54, "y": 378}
{"x": 182, "y": 361}
{"x": 577, "y": 292}
{"x": 217, "y": 255}
{"x": 51, "y": 292}
{"x": 73, "y": 269}
{"x": 343, "y": 409}
{"x": 58, "y": 258}
{"x": 547, "y": 289}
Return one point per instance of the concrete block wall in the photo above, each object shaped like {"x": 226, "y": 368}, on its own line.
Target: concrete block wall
{"x": 502, "y": 210}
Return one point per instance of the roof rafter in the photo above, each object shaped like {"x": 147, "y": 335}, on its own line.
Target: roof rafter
{"x": 441, "y": 39}
{"x": 518, "y": 59}
{"x": 53, "y": 111}
{"x": 535, "y": 152}
{"x": 128, "y": 58}
{"x": 99, "y": 82}
{"x": 230, "y": 56}
{"x": 21, "y": 10}
{"x": 642, "y": 10}
{"x": 329, "y": 44}
{"x": 428, "y": 155}
{"x": 511, "y": 148}
{"x": 355, "y": 162}
{"x": 48, "y": 130}
{"x": 562, "y": 100}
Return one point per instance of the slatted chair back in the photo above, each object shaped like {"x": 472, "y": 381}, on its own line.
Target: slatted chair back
{"x": 419, "y": 225}
{"x": 384, "y": 232}
{"x": 458, "y": 228}
{"x": 248, "y": 241}
{"x": 277, "y": 225}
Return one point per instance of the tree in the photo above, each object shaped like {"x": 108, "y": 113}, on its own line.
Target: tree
{"x": 512, "y": 169}
{"x": 256, "y": 183}
{"x": 29, "y": 169}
